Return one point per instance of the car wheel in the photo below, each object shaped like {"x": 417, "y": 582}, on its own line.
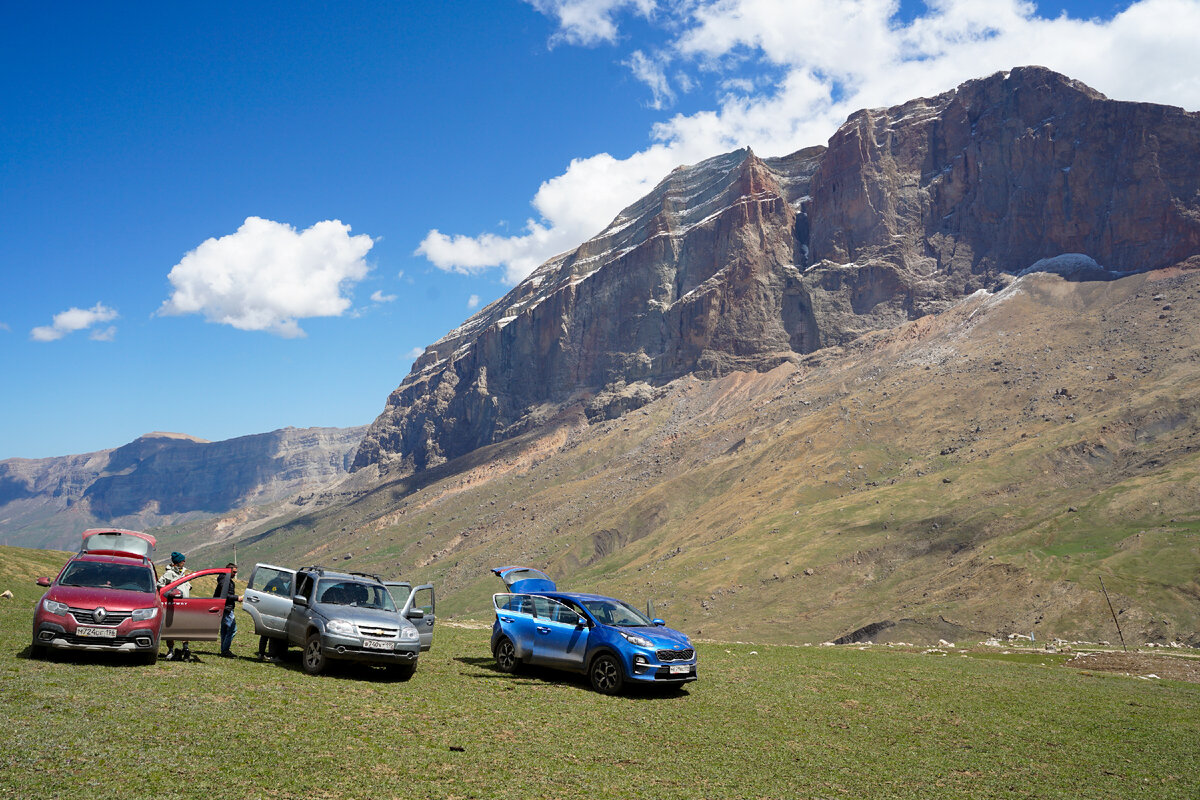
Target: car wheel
{"x": 506, "y": 656}
{"x": 314, "y": 657}
{"x": 402, "y": 671}
{"x": 606, "y": 674}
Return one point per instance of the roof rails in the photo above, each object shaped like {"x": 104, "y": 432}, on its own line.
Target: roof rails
{"x": 323, "y": 570}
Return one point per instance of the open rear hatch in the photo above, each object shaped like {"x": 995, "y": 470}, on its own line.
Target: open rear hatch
{"x": 524, "y": 579}
{"x": 117, "y": 542}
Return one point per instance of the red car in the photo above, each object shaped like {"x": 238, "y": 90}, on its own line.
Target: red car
{"x": 106, "y": 599}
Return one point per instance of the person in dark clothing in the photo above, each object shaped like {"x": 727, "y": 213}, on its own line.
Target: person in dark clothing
{"x": 227, "y": 588}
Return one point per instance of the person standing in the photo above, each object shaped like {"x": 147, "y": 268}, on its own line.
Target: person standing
{"x": 227, "y": 588}
{"x": 172, "y": 573}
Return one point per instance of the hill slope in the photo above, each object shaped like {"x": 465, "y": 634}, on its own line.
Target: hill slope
{"x": 976, "y": 470}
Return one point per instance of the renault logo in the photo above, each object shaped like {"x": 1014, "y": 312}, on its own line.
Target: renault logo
{"x": 100, "y": 614}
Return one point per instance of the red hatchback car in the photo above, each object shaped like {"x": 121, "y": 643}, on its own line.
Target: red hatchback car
{"x": 106, "y": 599}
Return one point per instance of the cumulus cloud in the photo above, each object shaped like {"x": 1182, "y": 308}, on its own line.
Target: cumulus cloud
{"x": 267, "y": 276}
{"x": 588, "y": 22}
{"x": 78, "y": 319}
{"x": 786, "y": 73}
{"x": 414, "y": 354}
{"x": 473, "y": 302}
{"x": 379, "y": 297}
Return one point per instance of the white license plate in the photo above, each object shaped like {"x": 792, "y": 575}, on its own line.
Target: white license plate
{"x": 100, "y": 633}
{"x": 680, "y": 669}
{"x": 371, "y": 644}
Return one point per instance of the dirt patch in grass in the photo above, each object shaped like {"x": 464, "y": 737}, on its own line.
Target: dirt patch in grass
{"x": 1176, "y": 668}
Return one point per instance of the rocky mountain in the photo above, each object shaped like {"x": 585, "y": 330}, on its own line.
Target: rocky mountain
{"x": 745, "y": 263}
{"x": 163, "y": 479}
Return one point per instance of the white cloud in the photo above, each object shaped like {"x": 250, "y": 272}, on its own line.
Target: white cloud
{"x": 791, "y": 71}
{"x": 473, "y": 302}
{"x": 267, "y": 276}
{"x": 379, "y": 297}
{"x": 77, "y": 319}
{"x": 414, "y": 354}
{"x": 651, "y": 72}
{"x": 588, "y": 22}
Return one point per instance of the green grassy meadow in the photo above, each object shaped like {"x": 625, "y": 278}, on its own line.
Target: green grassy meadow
{"x": 763, "y": 722}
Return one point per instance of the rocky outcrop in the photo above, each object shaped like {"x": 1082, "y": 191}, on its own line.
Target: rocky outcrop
{"x": 163, "y": 478}
{"x": 740, "y": 263}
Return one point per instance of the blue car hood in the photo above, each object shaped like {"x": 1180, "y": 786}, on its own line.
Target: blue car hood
{"x": 665, "y": 638}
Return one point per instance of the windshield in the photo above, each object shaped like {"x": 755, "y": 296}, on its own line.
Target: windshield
{"x": 342, "y": 592}
{"x": 108, "y": 576}
{"x": 614, "y": 612}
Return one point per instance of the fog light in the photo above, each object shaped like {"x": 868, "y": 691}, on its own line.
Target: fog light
{"x": 45, "y": 636}
{"x": 143, "y": 641}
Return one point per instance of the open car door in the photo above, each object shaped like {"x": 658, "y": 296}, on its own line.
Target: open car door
{"x": 197, "y": 616}
{"x": 268, "y": 599}
{"x": 419, "y": 610}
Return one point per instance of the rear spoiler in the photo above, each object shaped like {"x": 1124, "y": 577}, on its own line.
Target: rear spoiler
{"x": 117, "y": 542}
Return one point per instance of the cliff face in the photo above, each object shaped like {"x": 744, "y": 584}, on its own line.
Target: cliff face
{"x": 161, "y": 478}
{"x": 741, "y": 263}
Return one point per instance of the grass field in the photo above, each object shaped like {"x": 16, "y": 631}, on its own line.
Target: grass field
{"x": 763, "y": 722}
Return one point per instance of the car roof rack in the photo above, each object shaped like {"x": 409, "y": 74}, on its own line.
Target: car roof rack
{"x": 367, "y": 575}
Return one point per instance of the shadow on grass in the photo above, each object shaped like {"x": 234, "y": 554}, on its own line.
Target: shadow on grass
{"x": 335, "y": 669}
{"x": 113, "y": 659}
{"x": 528, "y": 675}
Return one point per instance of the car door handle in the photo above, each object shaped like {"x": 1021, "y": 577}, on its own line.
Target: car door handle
{"x": 252, "y": 599}
{"x": 542, "y": 629}
{"x": 509, "y": 620}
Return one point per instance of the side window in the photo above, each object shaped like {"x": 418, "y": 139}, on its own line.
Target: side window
{"x": 304, "y": 586}
{"x": 203, "y": 586}
{"x": 423, "y": 599}
{"x": 516, "y": 603}
{"x": 272, "y": 581}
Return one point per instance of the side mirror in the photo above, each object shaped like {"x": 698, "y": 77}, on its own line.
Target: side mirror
{"x": 43, "y": 581}
{"x": 581, "y": 622}
{"x": 174, "y": 594}
{"x": 416, "y": 613}
{"x": 300, "y": 600}
{"x": 658, "y": 622}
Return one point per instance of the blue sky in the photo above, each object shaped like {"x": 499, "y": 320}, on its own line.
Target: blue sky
{"x": 226, "y": 219}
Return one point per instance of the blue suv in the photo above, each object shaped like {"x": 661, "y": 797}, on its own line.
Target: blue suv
{"x": 606, "y": 639}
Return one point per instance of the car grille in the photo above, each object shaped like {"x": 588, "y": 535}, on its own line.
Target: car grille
{"x": 378, "y": 631}
{"x": 87, "y": 616}
{"x": 676, "y": 655}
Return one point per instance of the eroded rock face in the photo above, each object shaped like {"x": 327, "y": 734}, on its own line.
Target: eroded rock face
{"x": 740, "y": 263}
{"x": 160, "y": 478}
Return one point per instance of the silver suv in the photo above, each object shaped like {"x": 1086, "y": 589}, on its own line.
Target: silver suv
{"x": 347, "y": 616}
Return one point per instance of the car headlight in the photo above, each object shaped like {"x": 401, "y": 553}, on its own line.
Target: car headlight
{"x": 633, "y": 638}
{"x": 55, "y": 607}
{"x": 145, "y": 613}
{"x": 409, "y": 635}
{"x": 342, "y": 626}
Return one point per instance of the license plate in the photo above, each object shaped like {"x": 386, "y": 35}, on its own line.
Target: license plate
{"x": 680, "y": 669}
{"x": 371, "y": 644}
{"x": 100, "y": 633}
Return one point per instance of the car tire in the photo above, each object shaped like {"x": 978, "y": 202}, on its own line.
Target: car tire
{"x": 402, "y": 671}
{"x": 313, "y": 660}
{"x": 606, "y": 674}
{"x": 506, "y": 656}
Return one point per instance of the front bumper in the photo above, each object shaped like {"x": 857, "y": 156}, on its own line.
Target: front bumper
{"x": 135, "y": 640}
{"x": 350, "y": 648}
{"x": 648, "y": 666}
